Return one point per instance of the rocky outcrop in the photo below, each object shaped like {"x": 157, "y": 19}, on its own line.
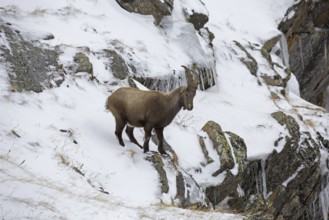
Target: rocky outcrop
{"x": 284, "y": 185}
{"x": 157, "y": 8}
{"x": 306, "y": 28}
{"x": 31, "y": 68}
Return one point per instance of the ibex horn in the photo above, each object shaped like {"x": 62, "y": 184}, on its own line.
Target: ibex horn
{"x": 191, "y": 78}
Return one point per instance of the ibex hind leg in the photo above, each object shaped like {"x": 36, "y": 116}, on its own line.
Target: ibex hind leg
{"x": 130, "y": 133}
{"x": 159, "y": 133}
{"x": 120, "y": 124}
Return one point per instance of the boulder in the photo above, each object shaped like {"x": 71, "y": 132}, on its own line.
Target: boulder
{"x": 198, "y": 20}
{"x": 83, "y": 64}
{"x": 117, "y": 64}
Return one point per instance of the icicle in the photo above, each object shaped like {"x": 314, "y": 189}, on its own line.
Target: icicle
{"x": 212, "y": 77}
{"x": 301, "y": 51}
{"x": 201, "y": 77}
{"x": 255, "y": 173}
{"x": 325, "y": 47}
{"x": 284, "y": 50}
{"x": 324, "y": 202}
{"x": 263, "y": 163}
{"x": 324, "y": 194}
{"x": 240, "y": 191}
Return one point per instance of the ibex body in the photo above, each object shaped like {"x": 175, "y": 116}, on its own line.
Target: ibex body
{"x": 149, "y": 109}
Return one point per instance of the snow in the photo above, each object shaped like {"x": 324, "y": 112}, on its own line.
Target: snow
{"x": 59, "y": 156}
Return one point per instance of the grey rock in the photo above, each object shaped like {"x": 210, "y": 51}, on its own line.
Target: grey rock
{"x": 31, "y": 68}
{"x": 117, "y": 64}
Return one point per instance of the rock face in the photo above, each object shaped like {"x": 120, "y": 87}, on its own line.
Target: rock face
{"x": 306, "y": 29}
{"x": 31, "y": 68}
{"x": 158, "y": 9}
{"x": 267, "y": 189}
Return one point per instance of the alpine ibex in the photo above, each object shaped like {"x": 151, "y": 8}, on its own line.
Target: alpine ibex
{"x": 150, "y": 109}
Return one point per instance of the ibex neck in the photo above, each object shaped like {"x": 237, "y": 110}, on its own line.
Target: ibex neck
{"x": 173, "y": 103}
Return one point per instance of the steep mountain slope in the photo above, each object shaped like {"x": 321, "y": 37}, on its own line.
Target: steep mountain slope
{"x": 59, "y": 155}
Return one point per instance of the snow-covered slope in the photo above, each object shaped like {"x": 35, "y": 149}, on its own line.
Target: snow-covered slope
{"x": 59, "y": 156}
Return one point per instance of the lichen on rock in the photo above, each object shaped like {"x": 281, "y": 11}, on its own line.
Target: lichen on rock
{"x": 221, "y": 146}
{"x": 83, "y": 64}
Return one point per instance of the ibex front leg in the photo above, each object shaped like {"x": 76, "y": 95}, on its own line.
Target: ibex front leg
{"x": 159, "y": 132}
{"x": 147, "y": 130}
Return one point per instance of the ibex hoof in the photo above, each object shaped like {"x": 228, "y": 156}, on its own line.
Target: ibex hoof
{"x": 164, "y": 153}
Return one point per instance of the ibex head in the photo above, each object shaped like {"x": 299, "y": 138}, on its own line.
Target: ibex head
{"x": 188, "y": 93}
